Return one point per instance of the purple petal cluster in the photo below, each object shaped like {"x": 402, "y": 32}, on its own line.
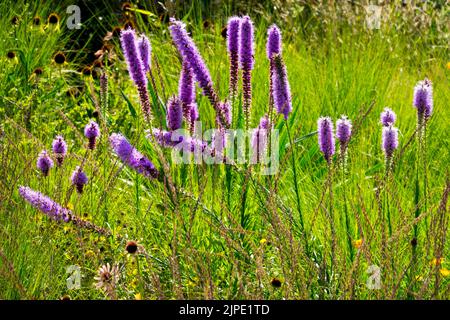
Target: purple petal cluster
{"x": 45, "y": 204}
{"x": 389, "y": 141}
{"x": 343, "y": 130}
{"x": 186, "y": 89}
{"x": 224, "y": 116}
{"x": 174, "y": 117}
{"x": 273, "y": 41}
{"x": 92, "y": 131}
{"x": 281, "y": 88}
{"x": 233, "y": 40}
{"x": 326, "y": 137}
{"x": 145, "y": 51}
{"x": 246, "y": 48}
{"x": 388, "y": 117}
{"x": 44, "y": 163}
{"x": 133, "y": 57}
{"x": 59, "y": 148}
{"x": 132, "y": 157}
{"x": 423, "y": 98}
{"x": 79, "y": 179}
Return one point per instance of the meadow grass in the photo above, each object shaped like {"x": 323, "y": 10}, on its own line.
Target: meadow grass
{"x": 217, "y": 231}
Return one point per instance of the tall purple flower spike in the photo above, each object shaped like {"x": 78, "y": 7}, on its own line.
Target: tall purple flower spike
{"x": 387, "y": 117}
{"x": 186, "y": 89}
{"x": 59, "y": 148}
{"x": 136, "y": 68}
{"x": 44, "y": 163}
{"x": 45, "y": 204}
{"x": 174, "y": 117}
{"x": 233, "y": 39}
{"x": 132, "y": 157}
{"x": 246, "y": 53}
{"x": 326, "y": 137}
{"x": 225, "y": 115}
{"x": 423, "y": 99}
{"x": 343, "y": 130}
{"x": 92, "y": 132}
{"x": 273, "y": 41}
{"x": 281, "y": 89}
{"x": 389, "y": 141}
{"x": 145, "y": 51}
{"x": 79, "y": 179}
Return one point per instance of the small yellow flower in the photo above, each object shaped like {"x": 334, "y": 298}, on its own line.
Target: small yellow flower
{"x": 70, "y": 206}
{"x": 419, "y": 278}
{"x": 448, "y": 65}
{"x": 66, "y": 229}
{"x": 263, "y": 241}
{"x": 437, "y": 261}
{"x": 90, "y": 253}
{"x": 445, "y": 272}
{"x": 137, "y": 296}
{"x": 357, "y": 243}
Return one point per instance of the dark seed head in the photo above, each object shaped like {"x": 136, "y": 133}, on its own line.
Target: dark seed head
{"x": 86, "y": 71}
{"x": 276, "y": 283}
{"x": 131, "y": 247}
{"x": 414, "y": 242}
{"x": 59, "y": 58}
{"x": 53, "y": 18}
{"x": 65, "y": 297}
{"x": 38, "y": 71}
{"x": 95, "y": 114}
{"x": 36, "y": 21}
{"x": 11, "y": 55}
{"x": 206, "y": 24}
{"x": 102, "y": 249}
{"x": 15, "y": 20}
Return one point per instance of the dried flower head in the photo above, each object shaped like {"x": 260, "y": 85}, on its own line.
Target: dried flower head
{"x": 59, "y": 58}
{"x": 107, "y": 278}
{"x": 53, "y": 18}
{"x": 131, "y": 247}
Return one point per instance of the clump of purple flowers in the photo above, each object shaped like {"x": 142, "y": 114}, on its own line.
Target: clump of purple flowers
{"x": 79, "y": 179}
{"x": 174, "y": 117}
{"x": 423, "y": 100}
{"x": 132, "y": 157}
{"x": 246, "y": 53}
{"x": 233, "y": 38}
{"x": 92, "y": 132}
{"x": 45, "y": 204}
{"x": 44, "y": 163}
{"x": 281, "y": 89}
{"x": 387, "y": 117}
{"x": 326, "y": 137}
{"x": 59, "y": 148}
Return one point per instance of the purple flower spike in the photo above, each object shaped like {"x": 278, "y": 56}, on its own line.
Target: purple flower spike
{"x": 59, "y": 148}
{"x": 343, "y": 130}
{"x": 273, "y": 41}
{"x": 193, "y": 116}
{"x": 79, "y": 179}
{"x": 92, "y": 131}
{"x": 45, "y": 204}
{"x": 174, "y": 113}
{"x": 133, "y": 57}
{"x": 190, "y": 54}
{"x": 259, "y": 139}
{"x": 326, "y": 137}
{"x": 233, "y": 39}
{"x": 145, "y": 51}
{"x": 281, "y": 88}
{"x": 186, "y": 89}
{"x": 44, "y": 163}
{"x": 246, "y": 48}
{"x": 423, "y": 98}
{"x": 224, "y": 118}
{"x": 132, "y": 157}
{"x": 390, "y": 141}
{"x": 388, "y": 117}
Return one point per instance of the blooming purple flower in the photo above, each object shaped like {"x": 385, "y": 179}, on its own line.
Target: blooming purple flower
{"x": 326, "y": 137}
{"x": 343, "y": 130}
{"x": 186, "y": 89}
{"x": 133, "y": 57}
{"x": 45, "y": 204}
{"x": 233, "y": 39}
{"x": 273, "y": 41}
{"x": 132, "y": 157}
{"x": 224, "y": 116}
{"x": 92, "y": 131}
{"x": 79, "y": 179}
{"x": 389, "y": 141}
{"x": 44, "y": 163}
{"x": 174, "y": 116}
{"x": 59, "y": 148}
{"x": 180, "y": 142}
{"x": 259, "y": 139}
{"x": 388, "y": 117}
{"x": 423, "y": 98}
{"x": 281, "y": 88}
{"x": 246, "y": 48}
{"x": 145, "y": 51}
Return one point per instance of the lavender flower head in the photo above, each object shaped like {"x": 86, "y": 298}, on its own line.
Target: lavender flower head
{"x": 145, "y": 51}
{"x": 79, "y": 179}
{"x": 423, "y": 98}
{"x": 132, "y": 157}
{"x": 44, "y": 163}
{"x": 343, "y": 130}
{"x": 45, "y": 204}
{"x": 247, "y": 44}
{"x": 326, "y": 137}
{"x": 186, "y": 89}
{"x": 389, "y": 141}
{"x": 281, "y": 88}
{"x": 388, "y": 117}
{"x": 92, "y": 131}
{"x": 233, "y": 31}
{"x": 273, "y": 41}
{"x": 133, "y": 57}
{"x": 59, "y": 148}
{"x": 174, "y": 116}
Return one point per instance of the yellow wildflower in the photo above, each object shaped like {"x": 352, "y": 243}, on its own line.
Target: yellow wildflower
{"x": 445, "y": 272}
{"x": 357, "y": 243}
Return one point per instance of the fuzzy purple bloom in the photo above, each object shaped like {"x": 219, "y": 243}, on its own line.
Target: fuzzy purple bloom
{"x": 79, "y": 179}
{"x": 59, "y": 148}
{"x": 246, "y": 48}
{"x": 259, "y": 139}
{"x": 326, "y": 137}
{"x": 387, "y": 117}
{"x": 44, "y": 163}
{"x": 281, "y": 88}
{"x": 45, "y": 204}
{"x": 273, "y": 41}
{"x": 133, "y": 57}
{"x": 145, "y": 51}
{"x": 174, "y": 116}
{"x": 186, "y": 89}
{"x": 92, "y": 131}
{"x": 423, "y": 98}
{"x": 389, "y": 140}
{"x": 233, "y": 31}
{"x": 132, "y": 157}
{"x": 343, "y": 130}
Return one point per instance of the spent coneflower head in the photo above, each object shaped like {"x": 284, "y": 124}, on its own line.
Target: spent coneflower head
{"x": 281, "y": 89}
{"x": 276, "y": 283}
{"x": 86, "y": 71}
{"x": 387, "y": 117}
{"x": 273, "y": 41}
{"x": 53, "y": 18}
{"x": 44, "y": 163}
{"x": 423, "y": 98}
{"x": 38, "y": 71}
{"x": 79, "y": 179}
{"x": 37, "y": 21}
{"x": 145, "y": 51}
{"x": 174, "y": 116}
{"x": 107, "y": 278}
{"x": 389, "y": 141}
{"x": 45, "y": 204}
{"x": 92, "y": 132}
{"x": 131, "y": 247}
{"x": 11, "y": 54}
{"x": 343, "y": 130}
{"x": 59, "y": 148}
{"x": 246, "y": 46}
{"x": 59, "y": 58}
{"x": 326, "y": 137}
